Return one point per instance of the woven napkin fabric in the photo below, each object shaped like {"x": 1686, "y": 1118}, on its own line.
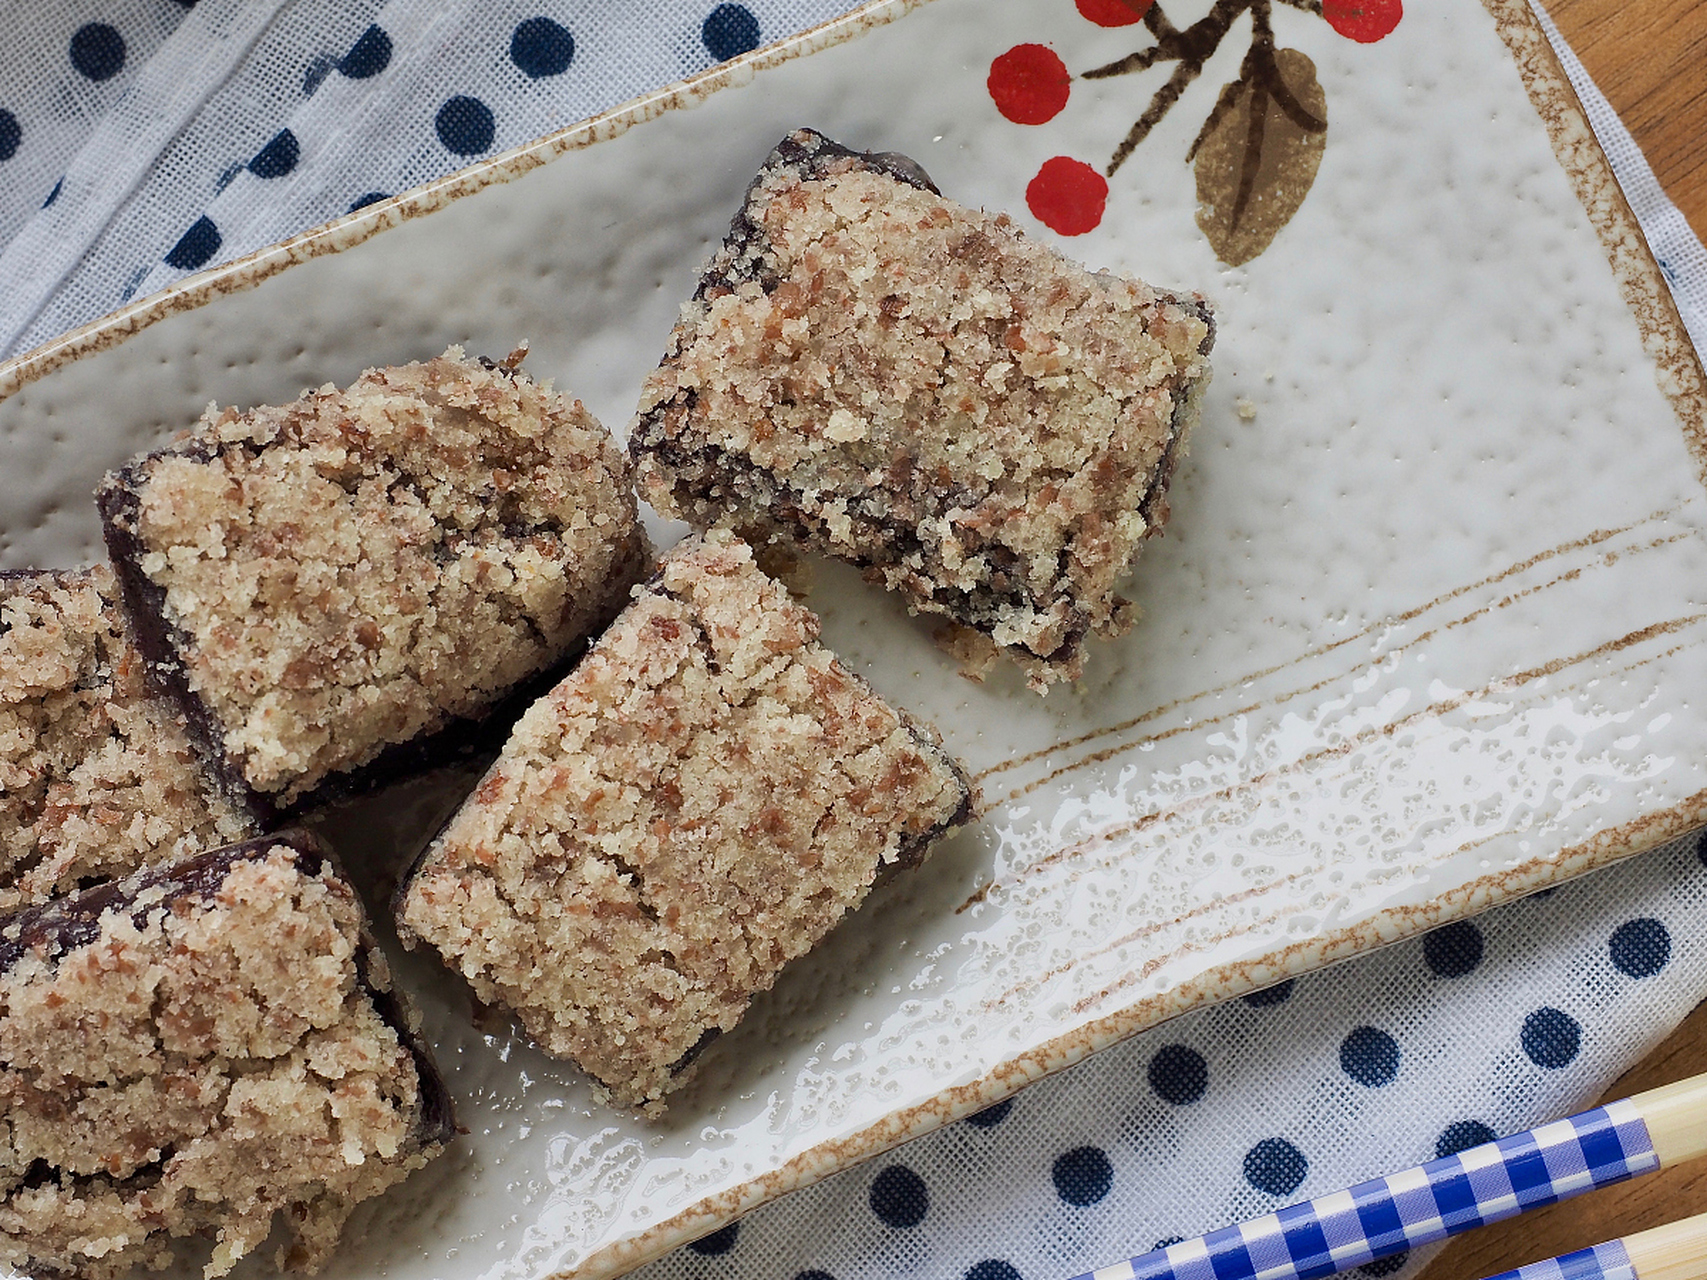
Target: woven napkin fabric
{"x": 141, "y": 140}
{"x": 144, "y": 139}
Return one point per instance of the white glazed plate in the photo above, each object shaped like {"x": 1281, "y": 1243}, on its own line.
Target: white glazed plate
{"x": 1428, "y": 628}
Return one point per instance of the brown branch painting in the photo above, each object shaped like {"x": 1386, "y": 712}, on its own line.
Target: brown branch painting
{"x": 1256, "y": 155}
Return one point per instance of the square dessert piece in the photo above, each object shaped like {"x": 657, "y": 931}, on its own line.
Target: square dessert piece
{"x": 344, "y": 583}
{"x": 194, "y": 1049}
{"x": 884, "y": 376}
{"x": 97, "y": 777}
{"x": 695, "y": 805}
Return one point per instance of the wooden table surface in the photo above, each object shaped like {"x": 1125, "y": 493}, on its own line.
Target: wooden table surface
{"x": 1649, "y": 58}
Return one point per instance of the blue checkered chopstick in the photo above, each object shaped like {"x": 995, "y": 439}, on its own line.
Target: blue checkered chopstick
{"x": 1675, "y": 1251}
{"x": 1609, "y": 1261}
{"x": 1384, "y": 1216}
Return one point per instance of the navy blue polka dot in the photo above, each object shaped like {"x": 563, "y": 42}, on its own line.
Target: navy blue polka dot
{"x": 990, "y": 1117}
{"x": 278, "y": 157}
{"x": 368, "y": 56}
{"x": 1276, "y": 1166}
{"x": 1279, "y": 993}
{"x": 1551, "y": 1038}
{"x": 729, "y": 30}
{"x": 993, "y": 1269}
{"x": 1455, "y": 950}
{"x": 898, "y": 1197}
{"x": 315, "y": 73}
{"x": 1701, "y": 848}
{"x": 814, "y": 1275}
{"x": 541, "y": 47}
{"x": 1082, "y": 1176}
{"x": 54, "y": 194}
{"x": 1370, "y": 1056}
{"x": 465, "y": 125}
{"x": 195, "y": 246}
{"x": 1641, "y": 948}
{"x": 1165, "y": 1241}
{"x": 1178, "y": 1075}
{"x": 11, "y": 134}
{"x": 1385, "y": 1266}
{"x": 97, "y": 51}
{"x": 718, "y": 1242}
{"x": 371, "y": 197}
{"x": 130, "y": 286}
{"x": 1461, "y": 1135}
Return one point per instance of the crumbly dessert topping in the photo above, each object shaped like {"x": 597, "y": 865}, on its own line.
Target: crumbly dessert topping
{"x": 195, "y": 1063}
{"x": 918, "y": 388}
{"x": 359, "y": 567}
{"x": 97, "y": 777}
{"x": 697, "y": 803}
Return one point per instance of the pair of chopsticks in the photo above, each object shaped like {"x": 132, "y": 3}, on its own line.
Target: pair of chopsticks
{"x": 1385, "y": 1216}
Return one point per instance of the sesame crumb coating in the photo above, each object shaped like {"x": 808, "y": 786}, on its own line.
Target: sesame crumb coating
{"x": 194, "y": 1050}
{"x": 97, "y": 776}
{"x": 349, "y": 573}
{"x": 915, "y": 387}
{"x": 696, "y": 804}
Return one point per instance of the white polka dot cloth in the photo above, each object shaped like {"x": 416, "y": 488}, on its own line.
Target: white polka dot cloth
{"x": 144, "y": 139}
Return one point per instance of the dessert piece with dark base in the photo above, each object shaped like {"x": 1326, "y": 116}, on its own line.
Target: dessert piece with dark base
{"x": 342, "y": 587}
{"x": 881, "y": 375}
{"x": 194, "y": 1050}
{"x": 699, "y": 802}
{"x": 97, "y": 776}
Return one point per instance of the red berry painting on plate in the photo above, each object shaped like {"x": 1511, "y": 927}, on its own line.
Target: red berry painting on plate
{"x": 1029, "y": 84}
{"x": 1256, "y": 154}
{"x": 1114, "y": 13}
{"x": 1067, "y": 196}
{"x": 1365, "y": 21}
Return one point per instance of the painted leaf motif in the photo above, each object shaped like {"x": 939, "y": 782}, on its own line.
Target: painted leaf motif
{"x": 1258, "y": 153}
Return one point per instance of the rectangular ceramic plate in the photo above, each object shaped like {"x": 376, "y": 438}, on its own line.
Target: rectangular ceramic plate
{"x": 1428, "y": 629}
